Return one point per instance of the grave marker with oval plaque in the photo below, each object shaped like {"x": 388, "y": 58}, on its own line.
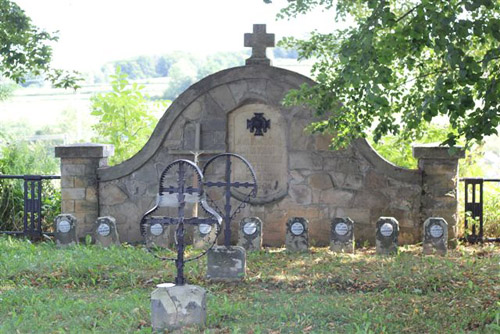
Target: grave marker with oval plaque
{"x": 250, "y": 234}
{"x": 435, "y": 236}
{"x": 105, "y": 232}
{"x": 297, "y": 234}
{"x": 65, "y": 227}
{"x": 342, "y": 235}
{"x": 387, "y": 235}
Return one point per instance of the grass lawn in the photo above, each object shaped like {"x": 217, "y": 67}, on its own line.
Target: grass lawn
{"x": 86, "y": 289}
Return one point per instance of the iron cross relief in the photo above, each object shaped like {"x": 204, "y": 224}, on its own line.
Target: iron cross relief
{"x": 259, "y": 40}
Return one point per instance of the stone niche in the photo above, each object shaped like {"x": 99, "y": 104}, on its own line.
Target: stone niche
{"x": 298, "y": 175}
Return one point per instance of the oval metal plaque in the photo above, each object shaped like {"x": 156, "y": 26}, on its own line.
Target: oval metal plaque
{"x": 103, "y": 230}
{"x": 386, "y": 230}
{"x": 436, "y": 231}
{"x": 64, "y": 226}
{"x": 297, "y": 228}
{"x": 341, "y": 229}
{"x": 205, "y": 228}
{"x": 250, "y": 228}
{"x": 156, "y": 229}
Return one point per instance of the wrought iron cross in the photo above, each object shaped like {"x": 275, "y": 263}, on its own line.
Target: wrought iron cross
{"x": 259, "y": 40}
{"x": 180, "y": 189}
{"x": 227, "y": 185}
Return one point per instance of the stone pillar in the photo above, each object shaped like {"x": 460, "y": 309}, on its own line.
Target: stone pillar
{"x": 79, "y": 188}
{"x": 439, "y": 169}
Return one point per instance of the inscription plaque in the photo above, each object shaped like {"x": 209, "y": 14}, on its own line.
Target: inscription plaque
{"x": 386, "y": 230}
{"x": 267, "y": 154}
{"x": 205, "y": 228}
{"x": 297, "y": 228}
{"x": 103, "y": 230}
{"x": 156, "y": 229}
{"x": 64, "y": 226}
{"x": 250, "y": 228}
{"x": 341, "y": 229}
{"x": 436, "y": 231}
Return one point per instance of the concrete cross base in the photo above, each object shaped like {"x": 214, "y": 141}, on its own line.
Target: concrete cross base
{"x": 176, "y": 306}
{"x": 226, "y": 264}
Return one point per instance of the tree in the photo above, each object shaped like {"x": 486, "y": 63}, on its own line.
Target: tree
{"x": 24, "y": 49}
{"x": 401, "y": 65}
{"x": 125, "y": 117}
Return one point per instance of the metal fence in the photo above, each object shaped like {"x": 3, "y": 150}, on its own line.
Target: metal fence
{"x": 21, "y": 205}
{"x": 474, "y": 209}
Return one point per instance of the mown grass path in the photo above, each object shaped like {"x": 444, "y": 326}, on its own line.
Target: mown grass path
{"x": 86, "y": 289}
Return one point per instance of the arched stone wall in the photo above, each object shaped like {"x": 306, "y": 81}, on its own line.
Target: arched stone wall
{"x": 311, "y": 180}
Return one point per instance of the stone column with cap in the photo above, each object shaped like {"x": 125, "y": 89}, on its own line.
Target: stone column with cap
{"x": 79, "y": 186}
{"x": 439, "y": 166}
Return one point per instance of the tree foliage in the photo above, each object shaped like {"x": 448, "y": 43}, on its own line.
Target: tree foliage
{"x": 125, "y": 117}
{"x": 25, "y": 49}
{"x": 403, "y": 64}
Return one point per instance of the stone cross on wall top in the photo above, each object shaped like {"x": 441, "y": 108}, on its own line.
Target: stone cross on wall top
{"x": 259, "y": 40}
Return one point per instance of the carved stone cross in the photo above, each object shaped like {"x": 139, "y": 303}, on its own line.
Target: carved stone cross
{"x": 259, "y": 40}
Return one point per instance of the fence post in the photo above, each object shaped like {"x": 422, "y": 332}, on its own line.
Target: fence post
{"x": 79, "y": 183}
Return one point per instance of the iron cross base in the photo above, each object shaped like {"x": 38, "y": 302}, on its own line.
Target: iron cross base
{"x": 179, "y": 235}
{"x": 226, "y": 264}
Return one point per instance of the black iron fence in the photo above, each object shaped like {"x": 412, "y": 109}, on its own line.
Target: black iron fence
{"x": 22, "y": 204}
{"x": 474, "y": 209}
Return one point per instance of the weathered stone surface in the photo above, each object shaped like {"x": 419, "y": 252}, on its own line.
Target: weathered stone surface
{"x": 266, "y": 153}
{"x": 226, "y": 264}
{"x": 112, "y": 195}
{"x": 342, "y": 235}
{"x": 250, "y": 234}
{"x": 65, "y": 230}
{"x": 105, "y": 232}
{"x": 435, "y": 236}
{"x": 297, "y": 235}
{"x": 321, "y": 181}
{"x": 387, "y": 236}
{"x": 177, "y": 306}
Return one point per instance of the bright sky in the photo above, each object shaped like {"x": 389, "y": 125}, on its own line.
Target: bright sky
{"x": 92, "y": 32}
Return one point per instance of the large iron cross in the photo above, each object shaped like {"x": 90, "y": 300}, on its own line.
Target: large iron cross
{"x": 227, "y": 185}
{"x": 180, "y": 189}
{"x": 259, "y": 40}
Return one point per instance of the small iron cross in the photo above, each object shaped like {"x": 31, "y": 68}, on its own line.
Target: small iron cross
{"x": 259, "y": 40}
{"x": 180, "y": 189}
{"x": 258, "y": 124}
{"x": 227, "y": 185}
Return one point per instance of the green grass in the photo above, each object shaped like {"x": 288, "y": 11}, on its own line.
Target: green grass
{"x": 86, "y": 289}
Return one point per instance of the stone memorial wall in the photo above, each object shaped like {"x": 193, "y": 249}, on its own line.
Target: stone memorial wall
{"x": 240, "y": 110}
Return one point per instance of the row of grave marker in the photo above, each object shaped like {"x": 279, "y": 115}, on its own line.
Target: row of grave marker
{"x": 435, "y": 234}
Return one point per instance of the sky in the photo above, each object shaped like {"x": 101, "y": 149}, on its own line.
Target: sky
{"x": 92, "y": 32}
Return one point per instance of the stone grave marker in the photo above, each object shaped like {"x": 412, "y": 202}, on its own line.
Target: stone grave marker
{"x": 202, "y": 235}
{"x": 65, "y": 230}
{"x": 226, "y": 264}
{"x": 250, "y": 234}
{"x": 435, "y": 236}
{"x": 174, "y": 306}
{"x": 105, "y": 232}
{"x": 387, "y": 235}
{"x": 231, "y": 181}
{"x": 297, "y": 235}
{"x": 342, "y": 235}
